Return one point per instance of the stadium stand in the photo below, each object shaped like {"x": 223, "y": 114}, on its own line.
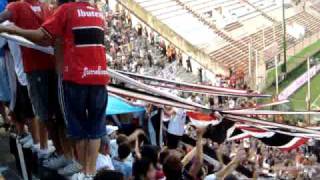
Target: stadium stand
{"x": 304, "y": 19}
{"x": 316, "y": 6}
{"x": 202, "y": 14}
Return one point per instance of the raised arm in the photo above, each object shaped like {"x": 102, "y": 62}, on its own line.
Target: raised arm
{"x": 135, "y": 135}
{"x": 137, "y": 149}
{"x": 188, "y": 157}
{"x": 198, "y": 159}
{"x": 229, "y": 168}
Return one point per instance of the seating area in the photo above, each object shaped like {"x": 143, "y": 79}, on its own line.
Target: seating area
{"x": 238, "y": 10}
{"x": 316, "y": 6}
{"x": 184, "y": 23}
{"x": 271, "y": 34}
{"x": 262, "y": 6}
{"x": 194, "y": 19}
{"x": 232, "y": 26}
{"x": 237, "y": 50}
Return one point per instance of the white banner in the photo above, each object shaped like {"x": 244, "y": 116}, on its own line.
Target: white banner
{"x": 298, "y": 83}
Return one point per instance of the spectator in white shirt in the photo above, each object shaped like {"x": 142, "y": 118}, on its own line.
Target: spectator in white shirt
{"x": 176, "y": 126}
{"x": 104, "y": 160}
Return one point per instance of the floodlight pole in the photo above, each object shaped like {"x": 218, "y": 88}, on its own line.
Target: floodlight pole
{"x": 309, "y": 91}
{"x": 284, "y": 69}
{"x": 277, "y": 76}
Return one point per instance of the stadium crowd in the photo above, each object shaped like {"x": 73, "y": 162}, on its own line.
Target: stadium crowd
{"x": 63, "y": 98}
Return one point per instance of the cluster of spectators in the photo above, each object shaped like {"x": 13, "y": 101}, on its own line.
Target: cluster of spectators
{"x": 135, "y": 48}
{"x": 64, "y": 98}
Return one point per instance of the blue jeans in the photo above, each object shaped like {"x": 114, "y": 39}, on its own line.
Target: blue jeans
{"x": 4, "y": 82}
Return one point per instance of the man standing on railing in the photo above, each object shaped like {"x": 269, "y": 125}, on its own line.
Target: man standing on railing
{"x": 81, "y": 27}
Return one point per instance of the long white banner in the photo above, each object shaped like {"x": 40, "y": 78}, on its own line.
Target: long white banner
{"x": 298, "y": 83}
{"x": 26, "y": 43}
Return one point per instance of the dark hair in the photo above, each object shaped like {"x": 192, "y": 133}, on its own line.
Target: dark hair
{"x": 108, "y": 174}
{"x": 151, "y": 152}
{"x": 172, "y": 167}
{"x": 140, "y": 168}
{"x": 124, "y": 150}
{"x": 60, "y": 2}
{"x": 163, "y": 155}
{"x": 230, "y": 177}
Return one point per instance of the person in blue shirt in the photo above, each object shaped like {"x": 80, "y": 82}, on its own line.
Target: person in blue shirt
{"x": 3, "y": 4}
{"x": 4, "y": 84}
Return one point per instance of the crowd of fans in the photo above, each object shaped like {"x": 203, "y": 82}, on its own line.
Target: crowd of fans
{"x": 126, "y": 146}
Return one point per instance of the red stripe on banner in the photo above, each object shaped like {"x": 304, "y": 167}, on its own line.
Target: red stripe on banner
{"x": 201, "y": 116}
{"x": 299, "y": 143}
{"x": 252, "y": 129}
{"x": 239, "y": 137}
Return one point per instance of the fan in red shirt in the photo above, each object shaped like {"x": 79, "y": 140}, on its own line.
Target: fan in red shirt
{"x": 39, "y": 67}
{"x": 81, "y": 27}
{"x": 83, "y": 36}
{"x": 30, "y": 14}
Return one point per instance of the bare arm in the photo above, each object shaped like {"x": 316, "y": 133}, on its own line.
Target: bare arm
{"x": 220, "y": 155}
{"x": 187, "y": 158}
{"x": 37, "y": 36}
{"x": 137, "y": 149}
{"x": 135, "y": 135}
{"x": 169, "y": 111}
{"x": 228, "y": 169}
{"x": 5, "y": 15}
{"x": 198, "y": 160}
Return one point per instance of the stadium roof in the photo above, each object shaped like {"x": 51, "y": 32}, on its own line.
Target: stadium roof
{"x": 183, "y": 23}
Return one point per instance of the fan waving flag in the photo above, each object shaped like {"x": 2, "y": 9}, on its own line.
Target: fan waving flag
{"x": 203, "y": 120}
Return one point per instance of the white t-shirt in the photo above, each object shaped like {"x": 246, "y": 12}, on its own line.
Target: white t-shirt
{"x": 176, "y": 124}
{"x": 246, "y": 143}
{"x": 113, "y": 148}
{"x": 104, "y": 161}
{"x": 210, "y": 177}
{"x": 232, "y": 104}
{"x": 189, "y": 99}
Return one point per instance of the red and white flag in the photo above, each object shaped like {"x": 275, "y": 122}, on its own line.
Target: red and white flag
{"x": 203, "y": 120}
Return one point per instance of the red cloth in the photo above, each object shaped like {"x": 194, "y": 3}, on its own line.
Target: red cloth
{"x": 82, "y": 29}
{"x": 159, "y": 174}
{"x": 30, "y": 14}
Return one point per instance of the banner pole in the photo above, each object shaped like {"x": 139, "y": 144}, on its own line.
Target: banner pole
{"x": 22, "y": 162}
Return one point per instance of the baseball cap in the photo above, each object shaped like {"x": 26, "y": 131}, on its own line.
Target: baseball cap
{"x": 111, "y": 129}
